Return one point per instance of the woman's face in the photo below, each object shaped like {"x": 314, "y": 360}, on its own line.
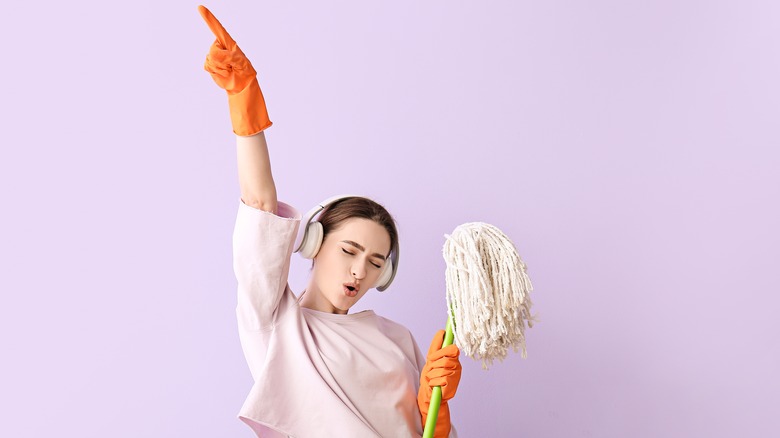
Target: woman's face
{"x": 348, "y": 264}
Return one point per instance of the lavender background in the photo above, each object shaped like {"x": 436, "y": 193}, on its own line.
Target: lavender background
{"x": 628, "y": 148}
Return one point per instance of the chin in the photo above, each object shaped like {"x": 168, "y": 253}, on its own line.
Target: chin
{"x": 339, "y": 308}
{"x": 339, "y": 304}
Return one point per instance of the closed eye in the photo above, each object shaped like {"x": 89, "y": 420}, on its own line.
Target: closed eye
{"x": 352, "y": 253}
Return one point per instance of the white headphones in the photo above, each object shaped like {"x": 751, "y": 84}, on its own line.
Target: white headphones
{"x": 309, "y": 242}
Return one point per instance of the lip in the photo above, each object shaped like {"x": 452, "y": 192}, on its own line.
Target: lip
{"x": 353, "y": 285}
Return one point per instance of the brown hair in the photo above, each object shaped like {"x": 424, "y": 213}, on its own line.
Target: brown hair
{"x": 343, "y": 209}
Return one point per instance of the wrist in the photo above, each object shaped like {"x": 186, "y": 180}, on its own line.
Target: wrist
{"x": 248, "y": 113}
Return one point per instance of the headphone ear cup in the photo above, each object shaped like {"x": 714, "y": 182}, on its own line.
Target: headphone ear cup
{"x": 311, "y": 245}
{"x": 386, "y": 275}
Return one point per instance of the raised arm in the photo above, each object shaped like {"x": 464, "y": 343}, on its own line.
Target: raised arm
{"x": 254, "y": 173}
{"x": 233, "y": 72}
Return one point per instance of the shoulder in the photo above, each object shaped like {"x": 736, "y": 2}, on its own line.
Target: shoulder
{"x": 394, "y": 329}
{"x": 389, "y": 323}
{"x": 404, "y": 339}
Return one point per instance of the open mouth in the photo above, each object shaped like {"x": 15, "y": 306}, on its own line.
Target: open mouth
{"x": 350, "y": 290}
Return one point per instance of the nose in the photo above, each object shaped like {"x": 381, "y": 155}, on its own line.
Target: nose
{"x": 359, "y": 270}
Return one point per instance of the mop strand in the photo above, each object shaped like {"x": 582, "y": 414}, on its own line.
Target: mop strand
{"x": 487, "y": 292}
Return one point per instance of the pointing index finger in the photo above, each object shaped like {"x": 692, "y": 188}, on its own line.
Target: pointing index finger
{"x": 216, "y": 27}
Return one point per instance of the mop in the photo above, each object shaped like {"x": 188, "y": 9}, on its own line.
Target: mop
{"x": 488, "y": 299}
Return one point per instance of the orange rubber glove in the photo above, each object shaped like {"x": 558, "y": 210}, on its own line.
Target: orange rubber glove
{"x": 233, "y": 72}
{"x": 442, "y": 368}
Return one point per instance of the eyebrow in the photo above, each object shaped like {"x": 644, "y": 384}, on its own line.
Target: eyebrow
{"x": 360, "y": 247}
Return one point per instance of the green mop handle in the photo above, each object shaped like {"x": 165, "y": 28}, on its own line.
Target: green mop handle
{"x": 433, "y": 408}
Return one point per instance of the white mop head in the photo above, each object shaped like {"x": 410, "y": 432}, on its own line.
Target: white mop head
{"x": 487, "y": 292}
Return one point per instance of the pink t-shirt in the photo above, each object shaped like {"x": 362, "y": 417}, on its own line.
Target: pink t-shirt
{"x": 316, "y": 374}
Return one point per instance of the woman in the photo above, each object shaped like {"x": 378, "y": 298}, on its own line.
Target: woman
{"x": 319, "y": 370}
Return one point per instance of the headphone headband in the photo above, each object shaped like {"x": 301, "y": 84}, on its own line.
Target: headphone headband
{"x": 307, "y": 218}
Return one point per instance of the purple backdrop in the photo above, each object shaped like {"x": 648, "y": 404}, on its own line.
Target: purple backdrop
{"x": 628, "y": 148}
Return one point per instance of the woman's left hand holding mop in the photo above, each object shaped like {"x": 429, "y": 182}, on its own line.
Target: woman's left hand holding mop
{"x": 442, "y": 368}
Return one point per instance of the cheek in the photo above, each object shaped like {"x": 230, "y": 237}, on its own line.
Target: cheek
{"x": 327, "y": 267}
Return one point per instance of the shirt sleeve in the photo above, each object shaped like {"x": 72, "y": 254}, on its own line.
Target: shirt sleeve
{"x": 262, "y": 245}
